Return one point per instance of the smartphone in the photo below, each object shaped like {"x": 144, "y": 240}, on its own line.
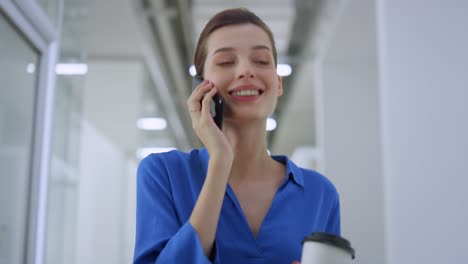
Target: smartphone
{"x": 216, "y": 105}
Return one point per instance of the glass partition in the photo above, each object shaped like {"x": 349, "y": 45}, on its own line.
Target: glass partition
{"x": 17, "y": 111}
{"x": 63, "y": 185}
{"x": 64, "y": 173}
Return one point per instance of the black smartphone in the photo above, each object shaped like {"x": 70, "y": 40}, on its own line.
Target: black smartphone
{"x": 216, "y": 105}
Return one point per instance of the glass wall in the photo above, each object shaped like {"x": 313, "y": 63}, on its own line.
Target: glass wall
{"x": 64, "y": 173}
{"x": 17, "y": 110}
{"x": 63, "y": 185}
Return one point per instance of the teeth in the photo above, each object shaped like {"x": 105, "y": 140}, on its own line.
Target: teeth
{"x": 245, "y": 93}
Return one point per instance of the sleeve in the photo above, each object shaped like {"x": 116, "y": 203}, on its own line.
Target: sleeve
{"x": 334, "y": 222}
{"x": 160, "y": 238}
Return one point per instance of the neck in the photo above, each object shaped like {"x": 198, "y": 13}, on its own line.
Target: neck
{"x": 250, "y": 155}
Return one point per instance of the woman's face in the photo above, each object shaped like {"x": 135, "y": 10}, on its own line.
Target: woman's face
{"x": 241, "y": 65}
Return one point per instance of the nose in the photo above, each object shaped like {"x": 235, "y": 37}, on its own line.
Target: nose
{"x": 245, "y": 71}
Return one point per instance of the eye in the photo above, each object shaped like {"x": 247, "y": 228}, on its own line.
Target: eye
{"x": 225, "y": 63}
{"x": 263, "y": 62}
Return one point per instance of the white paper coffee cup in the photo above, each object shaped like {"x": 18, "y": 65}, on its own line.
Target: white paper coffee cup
{"x": 324, "y": 248}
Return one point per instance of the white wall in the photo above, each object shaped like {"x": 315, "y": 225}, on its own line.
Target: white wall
{"x": 351, "y": 133}
{"x": 129, "y": 225}
{"x": 424, "y": 76}
{"x": 104, "y": 223}
{"x": 112, "y": 100}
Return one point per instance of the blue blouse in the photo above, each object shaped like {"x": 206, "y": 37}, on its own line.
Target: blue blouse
{"x": 168, "y": 185}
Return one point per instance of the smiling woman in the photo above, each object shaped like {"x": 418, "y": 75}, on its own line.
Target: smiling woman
{"x": 252, "y": 60}
{"x": 230, "y": 201}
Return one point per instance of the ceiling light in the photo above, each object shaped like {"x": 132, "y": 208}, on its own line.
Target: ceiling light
{"x": 71, "y": 68}
{"x": 271, "y": 124}
{"x": 30, "y": 68}
{"x": 284, "y": 69}
{"x": 152, "y": 123}
{"x": 141, "y": 153}
{"x": 63, "y": 68}
{"x": 192, "y": 70}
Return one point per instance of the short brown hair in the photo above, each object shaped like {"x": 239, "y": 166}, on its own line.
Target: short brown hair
{"x": 235, "y": 16}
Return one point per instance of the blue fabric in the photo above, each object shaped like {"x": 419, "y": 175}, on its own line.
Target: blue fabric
{"x": 168, "y": 185}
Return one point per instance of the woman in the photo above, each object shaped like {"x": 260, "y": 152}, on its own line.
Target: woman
{"x": 231, "y": 202}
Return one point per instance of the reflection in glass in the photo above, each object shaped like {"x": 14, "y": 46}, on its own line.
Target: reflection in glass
{"x": 17, "y": 108}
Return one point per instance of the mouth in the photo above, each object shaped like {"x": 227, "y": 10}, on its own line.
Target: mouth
{"x": 246, "y": 91}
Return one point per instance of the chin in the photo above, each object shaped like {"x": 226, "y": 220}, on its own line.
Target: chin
{"x": 242, "y": 120}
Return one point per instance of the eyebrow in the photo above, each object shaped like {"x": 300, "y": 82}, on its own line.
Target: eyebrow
{"x": 257, "y": 47}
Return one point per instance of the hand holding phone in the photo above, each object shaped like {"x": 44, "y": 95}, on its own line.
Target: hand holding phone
{"x": 216, "y": 105}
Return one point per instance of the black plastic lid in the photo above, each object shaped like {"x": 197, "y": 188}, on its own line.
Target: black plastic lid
{"x": 330, "y": 239}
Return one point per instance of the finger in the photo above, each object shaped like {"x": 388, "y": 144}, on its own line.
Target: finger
{"x": 195, "y": 99}
{"x": 200, "y": 90}
{"x": 207, "y": 100}
{"x": 201, "y": 84}
{"x": 193, "y": 106}
{"x": 193, "y": 111}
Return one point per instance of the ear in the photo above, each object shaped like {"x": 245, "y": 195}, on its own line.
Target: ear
{"x": 280, "y": 85}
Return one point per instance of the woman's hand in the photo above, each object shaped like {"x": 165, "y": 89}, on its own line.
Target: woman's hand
{"x": 205, "y": 214}
{"x": 202, "y": 121}
{"x": 296, "y": 262}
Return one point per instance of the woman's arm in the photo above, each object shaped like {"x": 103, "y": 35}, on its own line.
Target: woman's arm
{"x": 161, "y": 236}
{"x": 205, "y": 214}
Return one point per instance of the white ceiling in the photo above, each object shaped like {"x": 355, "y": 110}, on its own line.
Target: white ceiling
{"x": 110, "y": 31}
{"x": 277, "y": 14}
